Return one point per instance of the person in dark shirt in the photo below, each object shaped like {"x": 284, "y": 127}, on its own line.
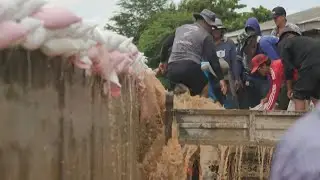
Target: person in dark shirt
{"x": 193, "y": 43}
{"x": 301, "y": 53}
{"x": 226, "y": 51}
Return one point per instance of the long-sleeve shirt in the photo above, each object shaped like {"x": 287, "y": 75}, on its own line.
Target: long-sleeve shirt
{"x": 193, "y": 43}
{"x": 300, "y": 53}
{"x": 268, "y": 46}
{"x": 276, "y": 77}
{"x": 226, "y": 50}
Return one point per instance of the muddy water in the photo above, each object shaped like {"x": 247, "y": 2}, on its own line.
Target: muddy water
{"x": 234, "y": 162}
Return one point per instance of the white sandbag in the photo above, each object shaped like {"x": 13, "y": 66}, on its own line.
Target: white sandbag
{"x": 114, "y": 78}
{"x": 9, "y": 8}
{"x": 31, "y": 24}
{"x": 28, "y": 8}
{"x": 84, "y": 29}
{"x": 123, "y": 47}
{"x": 258, "y": 107}
{"x": 82, "y": 62}
{"x": 76, "y": 30}
{"x": 113, "y": 40}
{"x": 35, "y": 39}
{"x": 57, "y": 47}
{"x": 309, "y": 106}
{"x": 133, "y": 48}
{"x": 98, "y": 36}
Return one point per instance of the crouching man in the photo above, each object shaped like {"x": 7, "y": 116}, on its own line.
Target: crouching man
{"x": 192, "y": 44}
{"x": 264, "y": 66}
{"x": 302, "y": 53}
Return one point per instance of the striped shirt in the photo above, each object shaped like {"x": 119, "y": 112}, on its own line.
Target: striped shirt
{"x": 297, "y": 155}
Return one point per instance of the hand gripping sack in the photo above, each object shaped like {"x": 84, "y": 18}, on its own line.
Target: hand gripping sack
{"x": 56, "y": 18}
{"x": 11, "y": 32}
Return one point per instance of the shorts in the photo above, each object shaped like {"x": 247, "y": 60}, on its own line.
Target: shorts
{"x": 188, "y": 73}
{"x": 308, "y": 84}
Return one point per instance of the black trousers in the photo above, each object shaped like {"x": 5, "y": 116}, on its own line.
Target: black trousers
{"x": 188, "y": 73}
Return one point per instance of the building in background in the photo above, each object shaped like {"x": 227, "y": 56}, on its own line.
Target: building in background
{"x": 308, "y": 21}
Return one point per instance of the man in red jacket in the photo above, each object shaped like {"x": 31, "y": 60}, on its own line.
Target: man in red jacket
{"x": 262, "y": 65}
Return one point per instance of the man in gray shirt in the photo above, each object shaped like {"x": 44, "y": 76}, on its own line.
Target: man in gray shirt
{"x": 194, "y": 43}
{"x": 297, "y": 155}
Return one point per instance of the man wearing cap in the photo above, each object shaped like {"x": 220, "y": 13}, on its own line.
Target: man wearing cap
{"x": 166, "y": 50}
{"x": 226, "y": 51}
{"x": 194, "y": 43}
{"x": 279, "y": 15}
{"x": 251, "y": 45}
{"x": 263, "y": 66}
{"x": 301, "y": 53}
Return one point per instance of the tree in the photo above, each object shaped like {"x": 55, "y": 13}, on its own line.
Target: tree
{"x": 164, "y": 24}
{"x": 132, "y": 15}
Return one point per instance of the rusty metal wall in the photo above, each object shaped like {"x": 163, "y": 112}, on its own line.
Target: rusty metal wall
{"x": 56, "y": 124}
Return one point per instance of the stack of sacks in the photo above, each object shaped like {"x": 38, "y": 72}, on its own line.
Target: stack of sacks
{"x": 34, "y": 24}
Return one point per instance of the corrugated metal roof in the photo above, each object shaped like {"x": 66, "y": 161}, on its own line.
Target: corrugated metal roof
{"x": 312, "y": 14}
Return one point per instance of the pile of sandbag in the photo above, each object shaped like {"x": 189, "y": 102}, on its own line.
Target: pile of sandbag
{"x": 36, "y": 24}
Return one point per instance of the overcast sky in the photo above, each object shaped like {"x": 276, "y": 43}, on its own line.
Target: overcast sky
{"x": 101, "y": 10}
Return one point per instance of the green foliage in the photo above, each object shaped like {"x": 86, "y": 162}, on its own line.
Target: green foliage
{"x": 162, "y": 25}
{"x": 150, "y": 21}
{"x": 129, "y": 21}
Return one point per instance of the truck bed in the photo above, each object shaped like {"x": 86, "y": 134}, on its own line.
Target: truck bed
{"x": 233, "y": 144}
{"x": 232, "y": 126}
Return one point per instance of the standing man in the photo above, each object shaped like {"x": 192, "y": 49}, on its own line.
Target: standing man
{"x": 301, "y": 53}
{"x": 194, "y": 43}
{"x": 279, "y": 16}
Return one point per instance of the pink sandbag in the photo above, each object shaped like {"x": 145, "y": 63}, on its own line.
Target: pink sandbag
{"x": 10, "y": 32}
{"x": 56, "y": 17}
{"x": 100, "y": 61}
{"x": 115, "y": 90}
{"x": 76, "y": 60}
{"x": 121, "y": 61}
